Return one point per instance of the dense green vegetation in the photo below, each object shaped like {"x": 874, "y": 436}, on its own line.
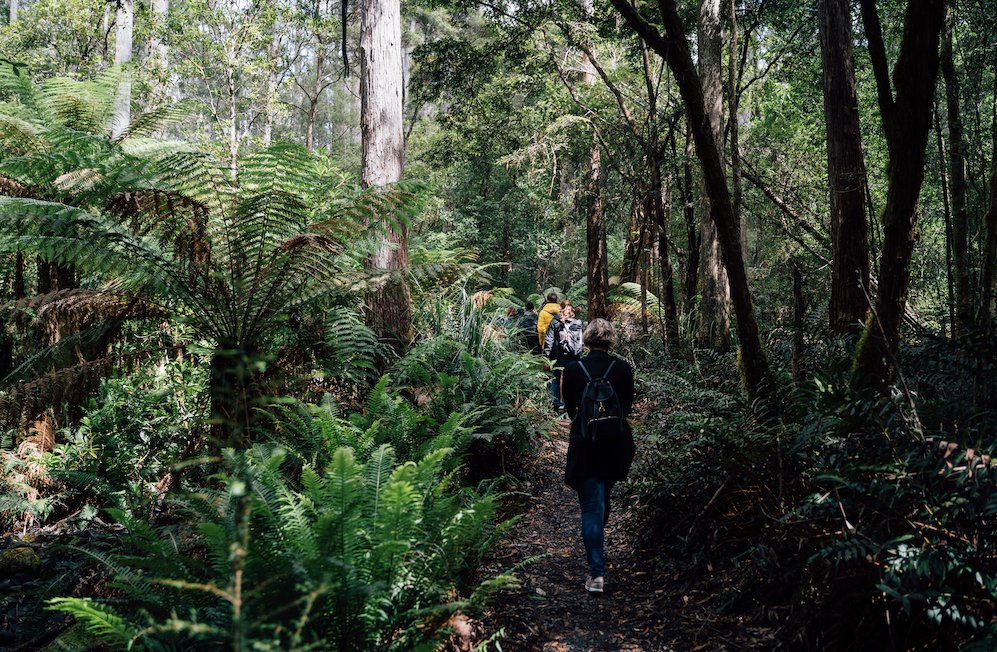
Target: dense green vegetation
{"x": 257, "y": 389}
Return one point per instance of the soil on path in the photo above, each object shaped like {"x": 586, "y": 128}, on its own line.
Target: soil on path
{"x": 649, "y": 604}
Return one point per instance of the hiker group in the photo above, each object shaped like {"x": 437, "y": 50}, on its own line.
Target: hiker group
{"x": 597, "y": 393}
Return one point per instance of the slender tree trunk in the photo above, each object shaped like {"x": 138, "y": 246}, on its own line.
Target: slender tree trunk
{"x": 906, "y": 122}
{"x": 957, "y": 182}
{"x": 674, "y": 48}
{"x": 845, "y": 171}
{"x": 714, "y": 324}
{"x": 124, "y": 23}
{"x": 947, "y": 213}
{"x": 660, "y": 202}
{"x": 595, "y": 224}
{"x": 693, "y": 244}
{"x": 799, "y": 322}
{"x": 989, "y": 254}
{"x": 383, "y": 157}
{"x": 314, "y": 99}
{"x": 13, "y": 11}
{"x": 660, "y": 207}
{"x": 733, "y": 74}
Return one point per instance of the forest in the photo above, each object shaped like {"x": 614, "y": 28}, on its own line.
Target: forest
{"x": 265, "y": 382}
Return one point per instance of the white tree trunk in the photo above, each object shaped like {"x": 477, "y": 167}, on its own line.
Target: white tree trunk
{"x": 714, "y": 322}
{"x": 382, "y": 87}
{"x": 13, "y": 12}
{"x": 124, "y": 22}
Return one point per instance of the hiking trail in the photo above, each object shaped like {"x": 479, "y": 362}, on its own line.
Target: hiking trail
{"x": 649, "y": 605}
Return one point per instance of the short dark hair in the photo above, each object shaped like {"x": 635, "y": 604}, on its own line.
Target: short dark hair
{"x": 552, "y": 297}
{"x": 529, "y": 305}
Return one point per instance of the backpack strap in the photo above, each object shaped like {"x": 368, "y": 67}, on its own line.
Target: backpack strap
{"x": 589, "y": 376}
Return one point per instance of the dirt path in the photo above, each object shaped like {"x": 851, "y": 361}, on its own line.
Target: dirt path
{"x": 647, "y": 606}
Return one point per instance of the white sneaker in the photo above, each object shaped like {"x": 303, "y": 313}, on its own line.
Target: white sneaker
{"x": 594, "y": 584}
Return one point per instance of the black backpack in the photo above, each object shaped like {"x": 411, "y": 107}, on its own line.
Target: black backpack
{"x": 600, "y": 412}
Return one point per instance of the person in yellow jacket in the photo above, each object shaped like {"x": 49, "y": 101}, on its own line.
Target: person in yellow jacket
{"x": 547, "y": 313}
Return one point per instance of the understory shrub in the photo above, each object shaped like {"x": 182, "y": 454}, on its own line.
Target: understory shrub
{"x": 864, "y": 521}
{"x": 357, "y": 555}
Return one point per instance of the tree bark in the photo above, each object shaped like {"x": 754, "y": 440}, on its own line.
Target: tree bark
{"x": 124, "y": 23}
{"x": 947, "y": 213}
{"x": 597, "y": 272}
{"x": 13, "y": 12}
{"x": 673, "y": 47}
{"x": 733, "y": 104}
{"x": 389, "y": 311}
{"x": 906, "y": 122}
{"x": 714, "y": 324}
{"x": 799, "y": 323}
{"x": 691, "y": 277}
{"x": 989, "y": 254}
{"x": 848, "y": 305}
{"x": 957, "y": 183}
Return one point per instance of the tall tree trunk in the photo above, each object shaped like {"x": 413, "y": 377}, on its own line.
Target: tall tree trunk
{"x": 957, "y": 182}
{"x": 314, "y": 99}
{"x": 799, "y": 323}
{"x": 383, "y": 157}
{"x": 714, "y": 324}
{"x": 989, "y": 254}
{"x": 906, "y": 122}
{"x": 595, "y": 224}
{"x": 660, "y": 207}
{"x": 13, "y": 6}
{"x": 660, "y": 201}
{"x": 674, "y": 48}
{"x": 124, "y": 23}
{"x": 845, "y": 171}
{"x": 947, "y": 213}
{"x": 693, "y": 244}
{"x": 733, "y": 104}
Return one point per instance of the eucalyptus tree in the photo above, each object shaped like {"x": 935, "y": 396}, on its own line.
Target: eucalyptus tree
{"x": 124, "y": 27}
{"x": 382, "y": 88}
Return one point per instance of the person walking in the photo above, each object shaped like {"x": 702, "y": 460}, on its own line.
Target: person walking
{"x": 562, "y": 344}
{"x": 526, "y": 321}
{"x": 598, "y": 392}
{"x": 547, "y": 314}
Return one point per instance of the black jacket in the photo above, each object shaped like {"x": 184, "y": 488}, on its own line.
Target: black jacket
{"x": 607, "y": 460}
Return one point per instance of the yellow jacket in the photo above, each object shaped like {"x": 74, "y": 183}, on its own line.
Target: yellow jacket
{"x": 547, "y": 313}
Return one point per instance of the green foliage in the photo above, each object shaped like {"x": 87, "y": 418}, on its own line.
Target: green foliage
{"x": 361, "y": 556}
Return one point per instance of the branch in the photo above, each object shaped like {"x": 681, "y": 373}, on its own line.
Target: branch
{"x": 877, "y": 53}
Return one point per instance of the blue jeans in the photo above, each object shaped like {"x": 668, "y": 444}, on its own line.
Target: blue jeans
{"x": 593, "y": 494}
{"x": 555, "y": 388}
